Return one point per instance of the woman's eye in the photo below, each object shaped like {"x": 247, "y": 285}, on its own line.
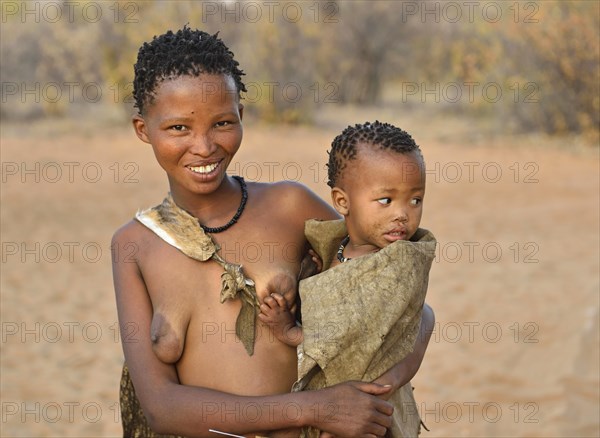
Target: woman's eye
{"x": 178, "y": 128}
{"x": 384, "y": 201}
{"x": 223, "y": 123}
{"x": 415, "y": 201}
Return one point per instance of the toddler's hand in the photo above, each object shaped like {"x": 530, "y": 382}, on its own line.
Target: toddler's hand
{"x": 275, "y": 312}
{"x": 316, "y": 259}
{"x": 311, "y": 265}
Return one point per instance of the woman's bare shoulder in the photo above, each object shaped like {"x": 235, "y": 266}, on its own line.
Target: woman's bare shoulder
{"x": 295, "y": 197}
{"x": 129, "y": 232}
{"x": 132, "y": 241}
{"x": 282, "y": 187}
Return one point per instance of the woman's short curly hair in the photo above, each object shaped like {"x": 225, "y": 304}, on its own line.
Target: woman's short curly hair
{"x": 185, "y": 52}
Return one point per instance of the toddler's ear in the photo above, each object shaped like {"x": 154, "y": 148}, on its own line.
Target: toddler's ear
{"x": 139, "y": 126}
{"x": 339, "y": 198}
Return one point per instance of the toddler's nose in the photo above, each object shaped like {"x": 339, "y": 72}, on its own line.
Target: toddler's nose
{"x": 401, "y": 215}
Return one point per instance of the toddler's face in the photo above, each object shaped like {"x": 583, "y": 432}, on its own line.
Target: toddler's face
{"x": 385, "y": 192}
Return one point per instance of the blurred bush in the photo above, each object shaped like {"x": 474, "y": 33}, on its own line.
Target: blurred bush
{"x": 543, "y": 57}
{"x": 561, "y": 55}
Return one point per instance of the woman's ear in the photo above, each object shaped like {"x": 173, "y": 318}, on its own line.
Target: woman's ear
{"x": 139, "y": 126}
{"x": 339, "y": 198}
{"x": 241, "y": 110}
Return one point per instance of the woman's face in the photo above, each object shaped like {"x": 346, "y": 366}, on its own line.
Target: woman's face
{"x": 194, "y": 125}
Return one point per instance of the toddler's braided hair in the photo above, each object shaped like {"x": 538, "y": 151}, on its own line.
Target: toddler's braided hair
{"x": 382, "y": 135}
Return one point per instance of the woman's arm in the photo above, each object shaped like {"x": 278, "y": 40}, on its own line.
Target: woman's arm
{"x": 400, "y": 374}
{"x": 172, "y": 408}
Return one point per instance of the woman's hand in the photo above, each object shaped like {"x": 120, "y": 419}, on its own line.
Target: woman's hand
{"x": 353, "y": 409}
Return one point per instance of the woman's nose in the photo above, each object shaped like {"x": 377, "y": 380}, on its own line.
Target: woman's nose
{"x": 203, "y": 145}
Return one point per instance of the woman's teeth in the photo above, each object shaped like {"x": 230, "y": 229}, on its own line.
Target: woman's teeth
{"x": 204, "y": 169}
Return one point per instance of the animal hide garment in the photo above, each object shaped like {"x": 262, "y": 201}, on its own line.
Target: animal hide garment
{"x": 362, "y": 317}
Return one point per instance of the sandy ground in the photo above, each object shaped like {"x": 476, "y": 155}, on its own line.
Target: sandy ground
{"x": 515, "y": 286}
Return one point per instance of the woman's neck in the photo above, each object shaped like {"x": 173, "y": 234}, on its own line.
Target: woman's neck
{"x": 215, "y": 206}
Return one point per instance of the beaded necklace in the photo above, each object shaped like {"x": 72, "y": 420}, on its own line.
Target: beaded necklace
{"x": 238, "y": 213}
{"x": 340, "y": 253}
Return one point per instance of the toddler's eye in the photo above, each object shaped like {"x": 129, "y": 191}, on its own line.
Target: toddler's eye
{"x": 415, "y": 201}
{"x": 384, "y": 201}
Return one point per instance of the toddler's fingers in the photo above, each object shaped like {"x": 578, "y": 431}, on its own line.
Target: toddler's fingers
{"x": 316, "y": 259}
{"x": 279, "y": 299}
{"x": 319, "y": 265}
{"x": 269, "y": 301}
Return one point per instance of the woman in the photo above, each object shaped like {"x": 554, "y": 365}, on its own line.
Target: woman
{"x": 197, "y": 356}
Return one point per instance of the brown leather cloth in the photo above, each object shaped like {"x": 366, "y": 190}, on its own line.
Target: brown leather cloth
{"x": 362, "y": 317}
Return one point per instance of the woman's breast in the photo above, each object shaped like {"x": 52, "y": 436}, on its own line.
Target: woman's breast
{"x": 193, "y": 330}
{"x": 182, "y": 290}
{"x": 212, "y": 349}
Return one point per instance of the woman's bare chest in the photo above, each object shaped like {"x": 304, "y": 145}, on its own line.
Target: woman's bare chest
{"x": 184, "y": 291}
